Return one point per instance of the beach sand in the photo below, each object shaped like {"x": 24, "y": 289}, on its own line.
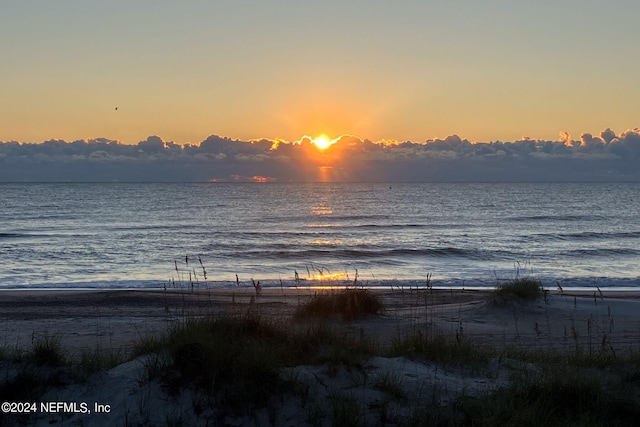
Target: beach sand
{"x": 115, "y": 320}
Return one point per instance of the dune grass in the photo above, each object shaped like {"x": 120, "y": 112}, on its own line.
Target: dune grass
{"x": 47, "y": 350}
{"x": 233, "y": 362}
{"x": 546, "y": 388}
{"x": 348, "y": 303}
{"x": 34, "y": 371}
{"x": 568, "y": 398}
{"x": 519, "y": 289}
{"x": 440, "y": 348}
{"x": 237, "y": 360}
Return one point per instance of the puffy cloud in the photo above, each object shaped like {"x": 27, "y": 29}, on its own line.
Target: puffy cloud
{"x": 565, "y": 138}
{"x": 627, "y": 144}
{"x": 153, "y": 144}
{"x": 632, "y": 136}
{"x": 607, "y": 135}
{"x": 604, "y": 157}
{"x": 217, "y": 144}
{"x": 591, "y": 144}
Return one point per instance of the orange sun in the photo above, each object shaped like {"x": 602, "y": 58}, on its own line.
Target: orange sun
{"x": 323, "y": 142}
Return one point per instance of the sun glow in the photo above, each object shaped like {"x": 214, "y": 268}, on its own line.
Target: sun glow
{"x": 328, "y": 277}
{"x": 323, "y": 142}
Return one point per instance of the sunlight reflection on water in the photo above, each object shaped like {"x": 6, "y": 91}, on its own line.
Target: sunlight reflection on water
{"x": 65, "y": 234}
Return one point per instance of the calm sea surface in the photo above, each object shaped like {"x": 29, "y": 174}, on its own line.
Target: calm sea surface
{"x": 146, "y": 235}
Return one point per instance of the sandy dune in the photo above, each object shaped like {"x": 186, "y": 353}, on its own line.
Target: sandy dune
{"x": 115, "y": 320}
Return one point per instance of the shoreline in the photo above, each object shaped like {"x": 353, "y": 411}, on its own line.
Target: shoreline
{"x": 272, "y": 290}
{"x": 288, "y": 285}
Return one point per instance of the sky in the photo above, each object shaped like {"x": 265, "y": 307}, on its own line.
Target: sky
{"x": 486, "y": 71}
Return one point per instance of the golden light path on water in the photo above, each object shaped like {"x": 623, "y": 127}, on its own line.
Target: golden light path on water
{"x": 113, "y": 235}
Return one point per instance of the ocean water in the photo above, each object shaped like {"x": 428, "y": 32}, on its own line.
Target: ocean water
{"x": 120, "y": 235}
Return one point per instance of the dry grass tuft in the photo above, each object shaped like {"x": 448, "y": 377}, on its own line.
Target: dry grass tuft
{"x": 349, "y": 303}
{"x": 519, "y": 289}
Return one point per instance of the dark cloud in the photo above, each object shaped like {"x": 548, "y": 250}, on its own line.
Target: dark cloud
{"x": 608, "y": 157}
{"x": 607, "y": 135}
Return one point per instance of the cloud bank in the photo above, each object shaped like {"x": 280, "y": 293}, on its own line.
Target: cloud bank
{"x": 607, "y": 157}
